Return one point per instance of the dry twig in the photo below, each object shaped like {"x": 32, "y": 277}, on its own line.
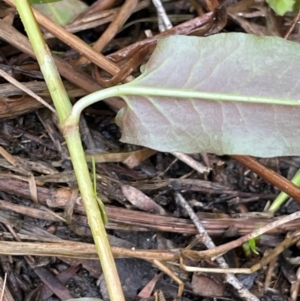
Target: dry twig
{"x": 230, "y": 278}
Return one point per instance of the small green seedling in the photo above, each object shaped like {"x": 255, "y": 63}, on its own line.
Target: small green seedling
{"x": 249, "y": 247}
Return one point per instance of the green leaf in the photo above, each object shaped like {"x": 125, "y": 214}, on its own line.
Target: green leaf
{"x": 61, "y": 12}
{"x": 281, "y": 7}
{"x": 233, "y": 66}
{"x": 252, "y": 245}
{"x": 246, "y": 249}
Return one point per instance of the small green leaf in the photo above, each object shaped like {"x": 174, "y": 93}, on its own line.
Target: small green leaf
{"x": 246, "y": 249}
{"x": 252, "y": 245}
{"x": 61, "y": 12}
{"x": 249, "y": 247}
{"x": 281, "y": 7}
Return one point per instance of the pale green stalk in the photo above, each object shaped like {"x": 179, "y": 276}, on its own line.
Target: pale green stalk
{"x": 133, "y": 88}
{"x": 72, "y": 136}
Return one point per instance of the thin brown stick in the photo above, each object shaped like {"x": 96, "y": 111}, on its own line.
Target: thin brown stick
{"x": 25, "y": 89}
{"x": 124, "y": 13}
{"x": 191, "y": 162}
{"x": 270, "y": 176}
{"x": 63, "y": 248}
{"x": 167, "y": 271}
{"x": 295, "y": 21}
{"x": 5, "y": 293}
{"x": 289, "y": 241}
{"x": 270, "y": 273}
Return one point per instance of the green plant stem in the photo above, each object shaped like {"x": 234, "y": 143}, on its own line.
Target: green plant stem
{"x": 282, "y": 196}
{"x": 132, "y": 88}
{"x": 94, "y": 216}
{"x": 55, "y": 86}
{"x": 72, "y": 136}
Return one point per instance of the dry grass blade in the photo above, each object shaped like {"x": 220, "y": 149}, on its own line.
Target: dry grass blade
{"x": 5, "y": 293}
{"x": 131, "y": 159}
{"x": 80, "y": 250}
{"x": 23, "y": 88}
{"x": 36, "y": 213}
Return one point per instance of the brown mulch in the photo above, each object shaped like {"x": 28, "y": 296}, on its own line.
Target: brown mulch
{"x": 47, "y": 251}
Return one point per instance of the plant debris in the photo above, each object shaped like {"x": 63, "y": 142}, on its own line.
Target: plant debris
{"x": 47, "y": 250}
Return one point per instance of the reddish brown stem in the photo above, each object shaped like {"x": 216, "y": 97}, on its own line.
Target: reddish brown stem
{"x": 270, "y": 176}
